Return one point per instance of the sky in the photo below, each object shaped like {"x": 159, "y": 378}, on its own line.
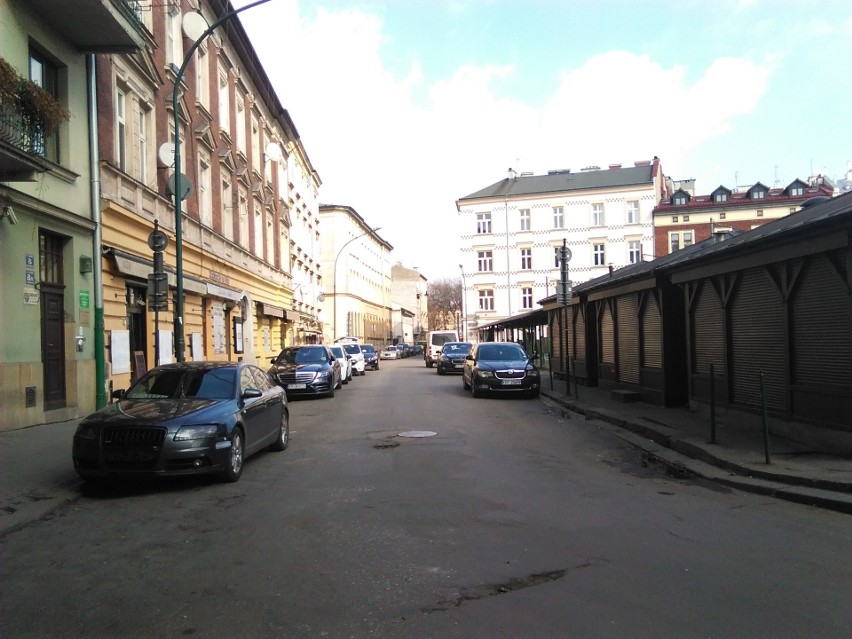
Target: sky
{"x": 405, "y": 106}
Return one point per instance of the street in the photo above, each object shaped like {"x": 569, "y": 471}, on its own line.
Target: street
{"x": 511, "y": 521}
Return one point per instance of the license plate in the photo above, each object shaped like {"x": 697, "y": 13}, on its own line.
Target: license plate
{"x": 511, "y": 382}
{"x": 459, "y": 365}
{"x": 296, "y": 386}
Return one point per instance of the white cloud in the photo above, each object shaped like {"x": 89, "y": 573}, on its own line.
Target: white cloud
{"x": 402, "y": 163}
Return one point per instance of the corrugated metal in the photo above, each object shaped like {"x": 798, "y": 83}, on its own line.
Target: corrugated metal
{"x": 821, "y": 309}
{"x": 607, "y": 334}
{"x": 627, "y": 307}
{"x": 652, "y": 335}
{"x": 757, "y": 342}
{"x": 708, "y": 331}
{"x": 580, "y": 332}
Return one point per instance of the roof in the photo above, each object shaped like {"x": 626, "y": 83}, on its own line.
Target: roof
{"x": 563, "y": 181}
{"x": 738, "y": 199}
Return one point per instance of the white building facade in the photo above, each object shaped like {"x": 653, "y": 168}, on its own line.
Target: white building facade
{"x": 512, "y": 231}
{"x": 356, "y": 268}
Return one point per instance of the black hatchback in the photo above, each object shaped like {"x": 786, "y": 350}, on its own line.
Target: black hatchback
{"x": 451, "y": 357}
{"x": 500, "y": 367}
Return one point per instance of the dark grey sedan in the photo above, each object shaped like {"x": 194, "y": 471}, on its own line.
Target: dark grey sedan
{"x": 179, "y": 419}
{"x": 500, "y": 367}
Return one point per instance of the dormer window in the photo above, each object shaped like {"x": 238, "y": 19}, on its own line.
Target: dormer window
{"x": 758, "y": 192}
{"x": 797, "y": 190}
{"x": 721, "y": 195}
{"x": 680, "y": 198}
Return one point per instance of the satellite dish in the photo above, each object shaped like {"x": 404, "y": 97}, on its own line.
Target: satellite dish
{"x": 321, "y": 297}
{"x": 273, "y": 152}
{"x": 185, "y": 185}
{"x": 194, "y": 25}
{"x": 166, "y": 154}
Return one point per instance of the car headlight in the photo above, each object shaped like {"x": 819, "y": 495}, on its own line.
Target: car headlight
{"x": 323, "y": 374}
{"x": 532, "y": 372}
{"x": 485, "y": 373}
{"x": 196, "y": 431}
{"x": 86, "y": 431}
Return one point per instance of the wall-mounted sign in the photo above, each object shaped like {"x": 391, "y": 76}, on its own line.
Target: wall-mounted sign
{"x": 30, "y": 278}
{"x": 30, "y": 296}
{"x": 84, "y": 299}
{"x": 29, "y": 260}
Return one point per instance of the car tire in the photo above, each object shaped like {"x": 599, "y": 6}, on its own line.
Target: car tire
{"x": 428, "y": 364}
{"x": 283, "y": 434}
{"x": 533, "y": 394}
{"x": 330, "y": 392}
{"x": 474, "y": 391}
{"x": 465, "y": 385}
{"x": 236, "y": 457}
{"x": 440, "y": 370}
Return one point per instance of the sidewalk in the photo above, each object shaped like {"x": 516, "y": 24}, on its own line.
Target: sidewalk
{"x": 680, "y": 438}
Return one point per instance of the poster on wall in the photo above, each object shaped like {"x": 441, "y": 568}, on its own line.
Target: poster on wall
{"x": 238, "y": 335}
{"x": 119, "y": 351}
{"x": 197, "y": 351}
{"x": 166, "y": 347}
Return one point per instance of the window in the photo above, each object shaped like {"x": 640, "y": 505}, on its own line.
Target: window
{"x": 174, "y": 38}
{"x": 525, "y": 219}
{"x": 797, "y": 190}
{"x": 205, "y": 190}
{"x": 202, "y": 77}
{"x": 243, "y": 212}
{"x": 45, "y": 75}
{"x": 597, "y": 214}
{"x": 679, "y": 200}
{"x": 227, "y": 210}
{"x": 526, "y": 298}
{"x": 687, "y": 238}
{"x": 270, "y": 236}
{"x": 257, "y": 248}
{"x": 486, "y": 300}
{"x": 485, "y": 261}
{"x": 674, "y": 219}
{"x": 722, "y": 215}
{"x": 224, "y": 102}
{"x": 686, "y": 218}
{"x": 633, "y": 212}
{"x": 255, "y": 143}
{"x": 634, "y": 251}
{"x": 758, "y": 194}
{"x": 792, "y": 209}
{"x": 556, "y": 255}
{"x": 483, "y": 223}
{"x": 241, "y": 125}
{"x": 759, "y": 212}
{"x": 121, "y": 129}
{"x": 143, "y": 155}
{"x": 598, "y": 255}
{"x": 674, "y": 242}
{"x": 720, "y": 197}
{"x": 526, "y": 259}
{"x": 558, "y": 217}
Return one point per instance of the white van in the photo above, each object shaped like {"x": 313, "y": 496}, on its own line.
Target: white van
{"x": 435, "y": 342}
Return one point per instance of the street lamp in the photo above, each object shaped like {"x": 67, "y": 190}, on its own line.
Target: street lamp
{"x": 464, "y": 316}
{"x": 180, "y": 342}
{"x": 347, "y": 243}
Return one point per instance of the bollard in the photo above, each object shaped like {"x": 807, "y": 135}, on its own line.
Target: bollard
{"x": 712, "y": 405}
{"x": 765, "y": 420}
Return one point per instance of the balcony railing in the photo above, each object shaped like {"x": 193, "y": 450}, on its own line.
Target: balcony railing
{"x": 18, "y": 131}
{"x": 130, "y": 9}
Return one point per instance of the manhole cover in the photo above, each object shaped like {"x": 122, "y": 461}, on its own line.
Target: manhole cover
{"x": 418, "y": 433}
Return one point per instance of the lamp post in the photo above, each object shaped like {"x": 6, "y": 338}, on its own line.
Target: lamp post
{"x": 347, "y": 243}
{"x": 180, "y": 342}
{"x": 464, "y": 316}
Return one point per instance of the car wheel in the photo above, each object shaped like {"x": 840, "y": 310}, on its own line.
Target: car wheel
{"x": 428, "y": 364}
{"x": 440, "y": 371}
{"x": 330, "y": 392}
{"x": 465, "y": 385}
{"x": 474, "y": 391}
{"x": 283, "y": 433}
{"x": 236, "y": 457}
{"x": 533, "y": 394}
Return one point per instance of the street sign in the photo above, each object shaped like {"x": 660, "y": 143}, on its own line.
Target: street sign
{"x": 158, "y": 292}
{"x": 563, "y": 291}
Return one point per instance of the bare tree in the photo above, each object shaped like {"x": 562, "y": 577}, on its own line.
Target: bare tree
{"x": 445, "y": 303}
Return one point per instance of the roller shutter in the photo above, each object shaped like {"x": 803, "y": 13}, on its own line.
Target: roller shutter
{"x": 579, "y": 333}
{"x": 627, "y": 307}
{"x": 707, "y": 330}
{"x": 757, "y": 342}
{"x": 652, "y": 336}
{"x": 821, "y": 308}
{"x": 606, "y": 333}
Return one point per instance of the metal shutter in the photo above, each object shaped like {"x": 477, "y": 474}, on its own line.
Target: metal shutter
{"x": 580, "y": 332}
{"x": 821, "y": 309}
{"x": 652, "y": 336}
{"x": 627, "y": 308}
{"x": 606, "y": 333}
{"x": 757, "y": 342}
{"x": 708, "y": 334}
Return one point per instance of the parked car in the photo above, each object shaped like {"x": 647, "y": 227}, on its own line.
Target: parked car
{"x": 500, "y": 367}
{"x": 371, "y": 356}
{"x": 181, "y": 419}
{"x": 389, "y": 352}
{"x": 353, "y": 349}
{"x": 307, "y": 370}
{"x": 345, "y": 362}
{"x": 403, "y": 349}
{"x": 451, "y": 357}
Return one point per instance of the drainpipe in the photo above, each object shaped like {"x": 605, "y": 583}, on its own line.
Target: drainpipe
{"x": 95, "y": 204}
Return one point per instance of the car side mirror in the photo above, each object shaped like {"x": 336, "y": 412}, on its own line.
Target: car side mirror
{"x": 470, "y": 357}
{"x": 119, "y": 394}
{"x": 252, "y": 393}
{"x": 272, "y": 359}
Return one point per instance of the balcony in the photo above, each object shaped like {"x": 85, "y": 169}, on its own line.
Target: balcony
{"x": 21, "y": 147}
{"x": 95, "y": 26}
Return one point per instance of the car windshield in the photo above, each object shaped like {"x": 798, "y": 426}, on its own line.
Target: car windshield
{"x": 216, "y": 383}
{"x": 352, "y": 349}
{"x": 501, "y": 352}
{"x": 301, "y": 356}
{"x": 461, "y": 348}
{"x": 337, "y": 352}
{"x": 390, "y": 348}
{"x": 368, "y": 349}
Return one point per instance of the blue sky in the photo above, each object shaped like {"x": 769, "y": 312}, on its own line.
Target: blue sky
{"x": 406, "y": 106}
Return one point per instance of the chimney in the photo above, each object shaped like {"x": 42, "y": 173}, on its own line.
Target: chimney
{"x": 642, "y": 163}
{"x": 614, "y": 166}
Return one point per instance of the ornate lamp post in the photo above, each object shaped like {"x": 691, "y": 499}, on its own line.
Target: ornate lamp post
{"x": 181, "y": 189}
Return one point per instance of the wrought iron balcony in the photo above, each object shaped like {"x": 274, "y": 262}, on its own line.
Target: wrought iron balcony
{"x": 21, "y": 147}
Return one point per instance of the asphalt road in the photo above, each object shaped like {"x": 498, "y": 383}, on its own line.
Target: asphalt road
{"x": 511, "y": 521}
